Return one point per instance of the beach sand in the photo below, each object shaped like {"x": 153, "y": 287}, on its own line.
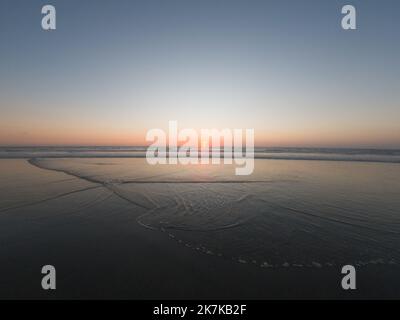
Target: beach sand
{"x": 120, "y": 229}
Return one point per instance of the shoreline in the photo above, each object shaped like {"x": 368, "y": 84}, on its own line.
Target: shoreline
{"x": 101, "y": 252}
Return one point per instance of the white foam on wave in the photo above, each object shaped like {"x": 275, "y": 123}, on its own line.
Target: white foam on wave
{"x": 247, "y": 222}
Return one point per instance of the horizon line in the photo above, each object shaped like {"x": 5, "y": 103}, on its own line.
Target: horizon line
{"x": 145, "y": 146}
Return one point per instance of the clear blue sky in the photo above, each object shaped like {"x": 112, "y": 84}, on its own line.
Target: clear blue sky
{"x": 114, "y": 69}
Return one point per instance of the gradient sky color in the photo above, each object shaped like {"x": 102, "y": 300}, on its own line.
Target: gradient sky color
{"x": 114, "y": 69}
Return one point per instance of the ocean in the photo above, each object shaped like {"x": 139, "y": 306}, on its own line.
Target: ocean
{"x": 302, "y": 211}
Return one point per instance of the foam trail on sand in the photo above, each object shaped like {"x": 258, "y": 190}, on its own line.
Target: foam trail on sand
{"x": 287, "y": 214}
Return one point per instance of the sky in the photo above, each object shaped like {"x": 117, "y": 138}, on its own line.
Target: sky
{"x": 112, "y": 70}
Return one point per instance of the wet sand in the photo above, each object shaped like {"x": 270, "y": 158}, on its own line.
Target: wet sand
{"x": 93, "y": 238}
